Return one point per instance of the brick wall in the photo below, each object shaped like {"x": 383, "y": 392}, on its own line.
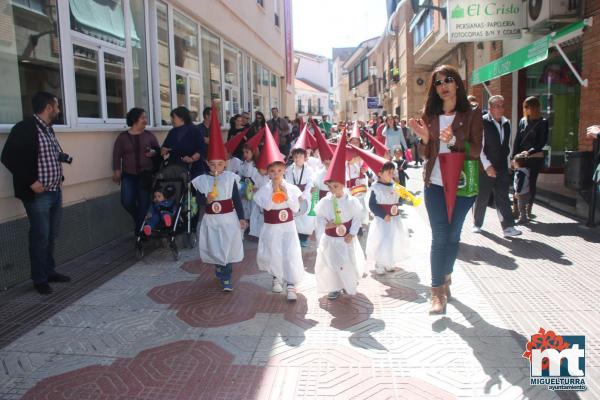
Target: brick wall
{"x": 590, "y": 96}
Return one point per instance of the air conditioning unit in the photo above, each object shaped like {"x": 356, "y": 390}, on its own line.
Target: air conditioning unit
{"x": 541, "y": 14}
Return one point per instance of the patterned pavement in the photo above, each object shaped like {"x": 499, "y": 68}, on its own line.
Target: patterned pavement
{"x": 159, "y": 329}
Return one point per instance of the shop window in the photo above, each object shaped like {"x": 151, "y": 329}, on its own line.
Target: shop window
{"x": 211, "y": 67}
{"x": 29, "y": 57}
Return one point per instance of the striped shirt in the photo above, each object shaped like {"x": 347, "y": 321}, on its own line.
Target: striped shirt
{"x": 50, "y": 172}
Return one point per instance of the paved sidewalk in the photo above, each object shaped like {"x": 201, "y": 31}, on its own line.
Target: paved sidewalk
{"x": 163, "y": 330}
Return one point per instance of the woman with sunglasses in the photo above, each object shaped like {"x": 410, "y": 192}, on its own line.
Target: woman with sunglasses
{"x": 448, "y": 122}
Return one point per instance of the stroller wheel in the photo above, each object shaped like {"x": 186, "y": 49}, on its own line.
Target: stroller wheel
{"x": 191, "y": 240}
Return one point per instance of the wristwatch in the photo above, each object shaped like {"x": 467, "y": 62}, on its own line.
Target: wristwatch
{"x": 452, "y": 141}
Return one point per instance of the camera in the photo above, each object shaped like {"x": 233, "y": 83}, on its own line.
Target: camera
{"x": 65, "y": 158}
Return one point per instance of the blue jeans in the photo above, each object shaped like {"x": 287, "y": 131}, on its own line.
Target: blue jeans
{"x": 134, "y": 199}
{"x": 44, "y": 214}
{"x": 444, "y": 236}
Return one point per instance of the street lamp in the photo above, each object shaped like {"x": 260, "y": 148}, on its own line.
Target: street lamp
{"x": 416, "y": 6}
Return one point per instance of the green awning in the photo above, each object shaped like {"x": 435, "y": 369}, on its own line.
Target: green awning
{"x": 104, "y": 20}
{"x": 528, "y": 55}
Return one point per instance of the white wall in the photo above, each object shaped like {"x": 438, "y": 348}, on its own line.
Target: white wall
{"x": 314, "y": 71}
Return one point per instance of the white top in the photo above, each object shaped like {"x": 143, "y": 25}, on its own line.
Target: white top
{"x": 350, "y": 210}
{"x": 225, "y": 181}
{"x": 385, "y": 194}
{"x": 233, "y": 165}
{"x": 296, "y": 176}
{"x": 263, "y": 198}
{"x": 436, "y": 173}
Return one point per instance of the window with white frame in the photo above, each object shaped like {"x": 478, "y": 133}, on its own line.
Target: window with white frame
{"x": 276, "y": 12}
{"x": 265, "y": 89}
{"x": 187, "y": 64}
{"x": 101, "y": 59}
{"x": 275, "y": 91}
{"x": 30, "y": 57}
{"x": 232, "y": 76}
{"x": 163, "y": 56}
{"x": 211, "y": 67}
{"x": 257, "y": 99}
{"x": 423, "y": 28}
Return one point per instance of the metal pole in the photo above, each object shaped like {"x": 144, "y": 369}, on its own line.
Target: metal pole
{"x": 591, "y": 222}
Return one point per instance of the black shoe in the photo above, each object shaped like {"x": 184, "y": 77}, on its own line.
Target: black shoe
{"x": 43, "y": 288}
{"x": 56, "y": 277}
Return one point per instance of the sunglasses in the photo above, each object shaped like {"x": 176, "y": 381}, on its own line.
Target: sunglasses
{"x": 446, "y": 80}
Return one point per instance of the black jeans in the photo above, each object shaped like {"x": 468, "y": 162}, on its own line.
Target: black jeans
{"x": 500, "y": 187}
{"x": 44, "y": 213}
{"x": 534, "y": 165}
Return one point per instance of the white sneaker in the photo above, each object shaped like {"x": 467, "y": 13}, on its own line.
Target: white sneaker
{"x": 379, "y": 269}
{"x": 511, "y": 232}
{"x": 291, "y": 293}
{"x": 476, "y": 229}
{"x": 277, "y": 288}
{"x": 390, "y": 268}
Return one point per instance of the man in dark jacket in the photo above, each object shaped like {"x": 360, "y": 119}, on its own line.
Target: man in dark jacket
{"x": 32, "y": 155}
{"x": 495, "y": 176}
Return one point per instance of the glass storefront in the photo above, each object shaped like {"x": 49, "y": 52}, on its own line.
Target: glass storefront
{"x": 558, "y": 90}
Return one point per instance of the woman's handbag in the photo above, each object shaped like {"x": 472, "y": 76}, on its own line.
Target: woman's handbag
{"x": 408, "y": 155}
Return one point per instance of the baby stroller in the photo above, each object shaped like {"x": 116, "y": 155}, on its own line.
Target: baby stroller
{"x": 184, "y": 205}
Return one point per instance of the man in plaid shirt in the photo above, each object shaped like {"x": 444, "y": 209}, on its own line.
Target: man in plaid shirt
{"x": 31, "y": 154}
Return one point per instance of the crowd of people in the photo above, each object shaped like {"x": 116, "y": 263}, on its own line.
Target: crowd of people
{"x": 293, "y": 184}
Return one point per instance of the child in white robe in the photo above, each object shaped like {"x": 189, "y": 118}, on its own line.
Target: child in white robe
{"x": 220, "y": 236}
{"x": 301, "y": 175}
{"x": 387, "y": 240}
{"x": 279, "y": 250}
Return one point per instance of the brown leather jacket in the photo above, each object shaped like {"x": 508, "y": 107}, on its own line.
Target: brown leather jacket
{"x": 467, "y": 126}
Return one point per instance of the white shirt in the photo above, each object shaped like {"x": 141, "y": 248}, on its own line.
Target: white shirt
{"x": 484, "y": 160}
{"x": 436, "y": 173}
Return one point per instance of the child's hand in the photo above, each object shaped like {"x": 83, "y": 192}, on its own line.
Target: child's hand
{"x": 210, "y": 197}
{"x": 314, "y": 189}
{"x": 243, "y": 224}
{"x": 348, "y": 238}
{"x": 387, "y": 218}
{"x": 516, "y": 195}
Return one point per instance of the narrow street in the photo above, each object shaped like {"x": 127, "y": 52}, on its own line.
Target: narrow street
{"x": 158, "y": 329}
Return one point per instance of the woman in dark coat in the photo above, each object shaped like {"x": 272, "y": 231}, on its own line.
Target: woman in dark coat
{"x": 532, "y": 136}
{"x": 184, "y": 143}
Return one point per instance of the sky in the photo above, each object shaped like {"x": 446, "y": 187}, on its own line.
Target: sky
{"x": 318, "y": 24}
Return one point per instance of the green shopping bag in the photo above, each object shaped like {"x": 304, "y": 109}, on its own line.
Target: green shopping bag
{"x": 468, "y": 184}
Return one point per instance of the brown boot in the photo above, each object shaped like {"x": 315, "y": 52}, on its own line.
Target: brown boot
{"x": 438, "y": 300}
{"x": 447, "y": 284}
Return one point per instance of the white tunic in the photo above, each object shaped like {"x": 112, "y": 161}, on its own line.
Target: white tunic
{"x": 233, "y": 165}
{"x": 352, "y": 172}
{"x": 296, "y": 176}
{"x": 220, "y": 237}
{"x": 387, "y": 243}
{"x": 279, "y": 250}
{"x": 314, "y": 163}
{"x": 256, "y": 214}
{"x": 247, "y": 171}
{"x": 339, "y": 265}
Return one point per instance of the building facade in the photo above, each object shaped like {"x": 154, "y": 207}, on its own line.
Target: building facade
{"x": 313, "y": 85}
{"x": 101, "y": 58}
{"x": 357, "y": 66}
{"x": 340, "y": 83}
